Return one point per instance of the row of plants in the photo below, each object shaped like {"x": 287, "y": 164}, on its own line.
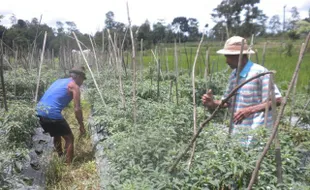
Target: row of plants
{"x": 18, "y": 123}
{"x": 140, "y": 153}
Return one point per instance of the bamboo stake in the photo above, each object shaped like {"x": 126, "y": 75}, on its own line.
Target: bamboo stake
{"x": 167, "y": 66}
{"x": 231, "y": 123}
{"x": 102, "y": 42}
{"x": 303, "y": 110}
{"x": 176, "y": 71}
{"x": 35, "y": 42}
{"x": 157, "y": 63}
{"x": 187, "y": 61}
{"x": 194, "y": 102}
{"x": 141, "y": 58}
{"x": 96, "y": 61}
{"x": 264, "y": 53}
{"x": 276, "y": 139}
{"x": 2, "y": 78}
{"x": 294, "y": 94}
{"x": 118, "y": 65}
{"x": 16, "y": 66}
{"x": 276, "y": 125}
{"x": 207, "y": 65}
{"x": 79, "y": 45}
{"x": 170, "y": 91}
{"x": 202, "y": 125}
{"x": 256, "y": 55}
{"x": 134, "y": 69}
{"x": 40, "y": 66}
{"x": 158, "y": 76}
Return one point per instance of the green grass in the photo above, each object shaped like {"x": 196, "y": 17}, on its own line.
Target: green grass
{"x": 275, "y": 59}
{"x": 82, "y": 173}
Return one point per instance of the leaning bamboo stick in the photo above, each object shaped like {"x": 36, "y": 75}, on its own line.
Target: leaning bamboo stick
{"x": 134, "y": 69}
{"x": 276, "y": 125}
{"x": 92, "y": 75}
{"x": 202, "y": 125}
{"x": 40, "y": 66}
{"x": 194, "y": 102}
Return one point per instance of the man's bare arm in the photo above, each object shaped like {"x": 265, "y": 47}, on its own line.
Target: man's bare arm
{"x": 75, "y": 89}
{"x": 245, "y": 112}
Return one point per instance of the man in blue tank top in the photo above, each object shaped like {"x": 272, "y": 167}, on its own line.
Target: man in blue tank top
{"x": 50, "y": 106}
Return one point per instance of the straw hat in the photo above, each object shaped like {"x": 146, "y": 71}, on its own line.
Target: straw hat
{"x": 79, "y": 71}
{"x": 233, "y": 47}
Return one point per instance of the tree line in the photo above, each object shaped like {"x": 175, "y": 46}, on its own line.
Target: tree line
{"x": 232, "y": 17}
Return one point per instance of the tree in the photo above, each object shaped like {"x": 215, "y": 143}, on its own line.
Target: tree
{"x": 158, "y": 33}
{"x": 60, "y": 27}
{"x": 295, "y": 17}
{"x": 71, "y": 27}
{"x": 193, "y": 30}
{"x": 275, "y": 24}
{"x": 180, "y": 24}
{"x": 109, "y": 21}
{"x": 228, "y": 12}
{"x": 145, "y": 34}
{"x": 303, "y": 27}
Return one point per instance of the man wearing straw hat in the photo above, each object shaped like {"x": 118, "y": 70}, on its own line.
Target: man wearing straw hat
{"x": 54, "y": 100}
{"x": 251, "y": 99}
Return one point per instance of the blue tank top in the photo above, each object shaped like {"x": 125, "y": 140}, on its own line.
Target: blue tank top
{"x": 55, "y": 99}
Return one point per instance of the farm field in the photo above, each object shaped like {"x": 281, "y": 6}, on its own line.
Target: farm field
{"x": 142, "y": 136}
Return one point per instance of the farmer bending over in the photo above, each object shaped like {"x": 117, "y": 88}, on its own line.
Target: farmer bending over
{"x": 251, "y": 99}
{"x": 54, "y": 100}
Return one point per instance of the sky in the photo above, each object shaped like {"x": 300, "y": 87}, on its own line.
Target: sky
{"x": 89, "y": 15}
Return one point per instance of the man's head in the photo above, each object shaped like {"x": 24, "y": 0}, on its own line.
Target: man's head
{"x": 232, "y": 49}
{"x": 78, "y": 75}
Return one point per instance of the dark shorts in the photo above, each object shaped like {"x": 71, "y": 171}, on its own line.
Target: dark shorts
{"x": 55, "y": 127}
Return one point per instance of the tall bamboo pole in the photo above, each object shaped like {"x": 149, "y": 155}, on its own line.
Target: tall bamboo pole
{"x": 40, "y": 66}
{"x": 134, "y": 69}
{"x": 194, "y": 102}
{"x": 2, "y": 78}
{"x": 231, "y": 123}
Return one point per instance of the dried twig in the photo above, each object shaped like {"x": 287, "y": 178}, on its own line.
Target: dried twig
{"x": 202, "y": 125}
{"x": 276, "y": 124}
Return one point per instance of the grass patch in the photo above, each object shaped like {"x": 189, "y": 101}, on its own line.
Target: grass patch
{"x": 82, "y": 173}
